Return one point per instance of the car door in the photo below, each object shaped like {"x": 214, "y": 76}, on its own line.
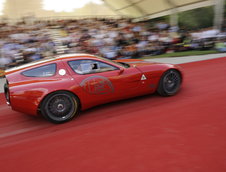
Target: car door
{"x": 104, "y": 82}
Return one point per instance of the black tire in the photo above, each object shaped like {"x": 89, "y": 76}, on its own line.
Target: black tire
{"x": 60, "y": 107}
{"x": 169, "y": 83}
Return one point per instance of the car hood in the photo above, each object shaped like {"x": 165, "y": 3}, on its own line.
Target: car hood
{"x": 137, "y": 62}
{"x": 148, "y": 66}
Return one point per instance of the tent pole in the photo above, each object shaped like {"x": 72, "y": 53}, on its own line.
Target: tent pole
{"x": 218, "y": 14}
{"x": 173, "y": 16}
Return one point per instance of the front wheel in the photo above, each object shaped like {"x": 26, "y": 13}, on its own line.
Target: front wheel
{"x": 60, "y": 107}
{"x": 170, "y": 83}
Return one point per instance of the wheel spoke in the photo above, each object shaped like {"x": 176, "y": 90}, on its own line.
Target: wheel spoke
{"x": 171, "y": 82}
{"x": 61, "y": 107}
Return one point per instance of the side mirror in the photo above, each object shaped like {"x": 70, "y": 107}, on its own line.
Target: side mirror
{"x": 121, "y": 70}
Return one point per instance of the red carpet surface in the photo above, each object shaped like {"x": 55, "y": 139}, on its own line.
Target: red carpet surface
{"x": 183, "y": 133}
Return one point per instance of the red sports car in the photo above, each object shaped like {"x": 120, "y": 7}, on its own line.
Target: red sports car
{"x": 58, "y": 88}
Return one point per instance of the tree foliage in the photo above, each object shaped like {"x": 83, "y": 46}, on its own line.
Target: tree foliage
{"x": 197, "y": 18}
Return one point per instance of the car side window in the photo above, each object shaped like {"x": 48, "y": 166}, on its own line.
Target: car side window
{"x": 43, "y": 71}
{"x": 90, "y": 66}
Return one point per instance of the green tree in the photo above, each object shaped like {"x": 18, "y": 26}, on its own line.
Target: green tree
{"x": 197, "y": 18}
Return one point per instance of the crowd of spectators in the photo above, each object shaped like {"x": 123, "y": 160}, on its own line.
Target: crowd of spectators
{"x": 109, "y": 38}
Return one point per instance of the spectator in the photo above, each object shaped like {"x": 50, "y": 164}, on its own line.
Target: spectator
{"x": 111, "y": 38}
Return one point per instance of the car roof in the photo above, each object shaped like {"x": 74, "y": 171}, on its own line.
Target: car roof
{"x": 43, "y": 61}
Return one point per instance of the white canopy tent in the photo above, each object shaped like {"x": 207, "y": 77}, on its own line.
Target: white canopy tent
{"x": 148, "y": 9}
{"x": 154, "y": 8}
{"x": 138, "y": 9}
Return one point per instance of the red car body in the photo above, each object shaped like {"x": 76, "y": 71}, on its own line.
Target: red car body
{"x": 26, "y": 93}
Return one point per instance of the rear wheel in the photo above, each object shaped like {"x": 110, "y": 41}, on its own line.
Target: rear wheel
{"x": 170, "y": 83}
{"x": 60, "y": 107}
